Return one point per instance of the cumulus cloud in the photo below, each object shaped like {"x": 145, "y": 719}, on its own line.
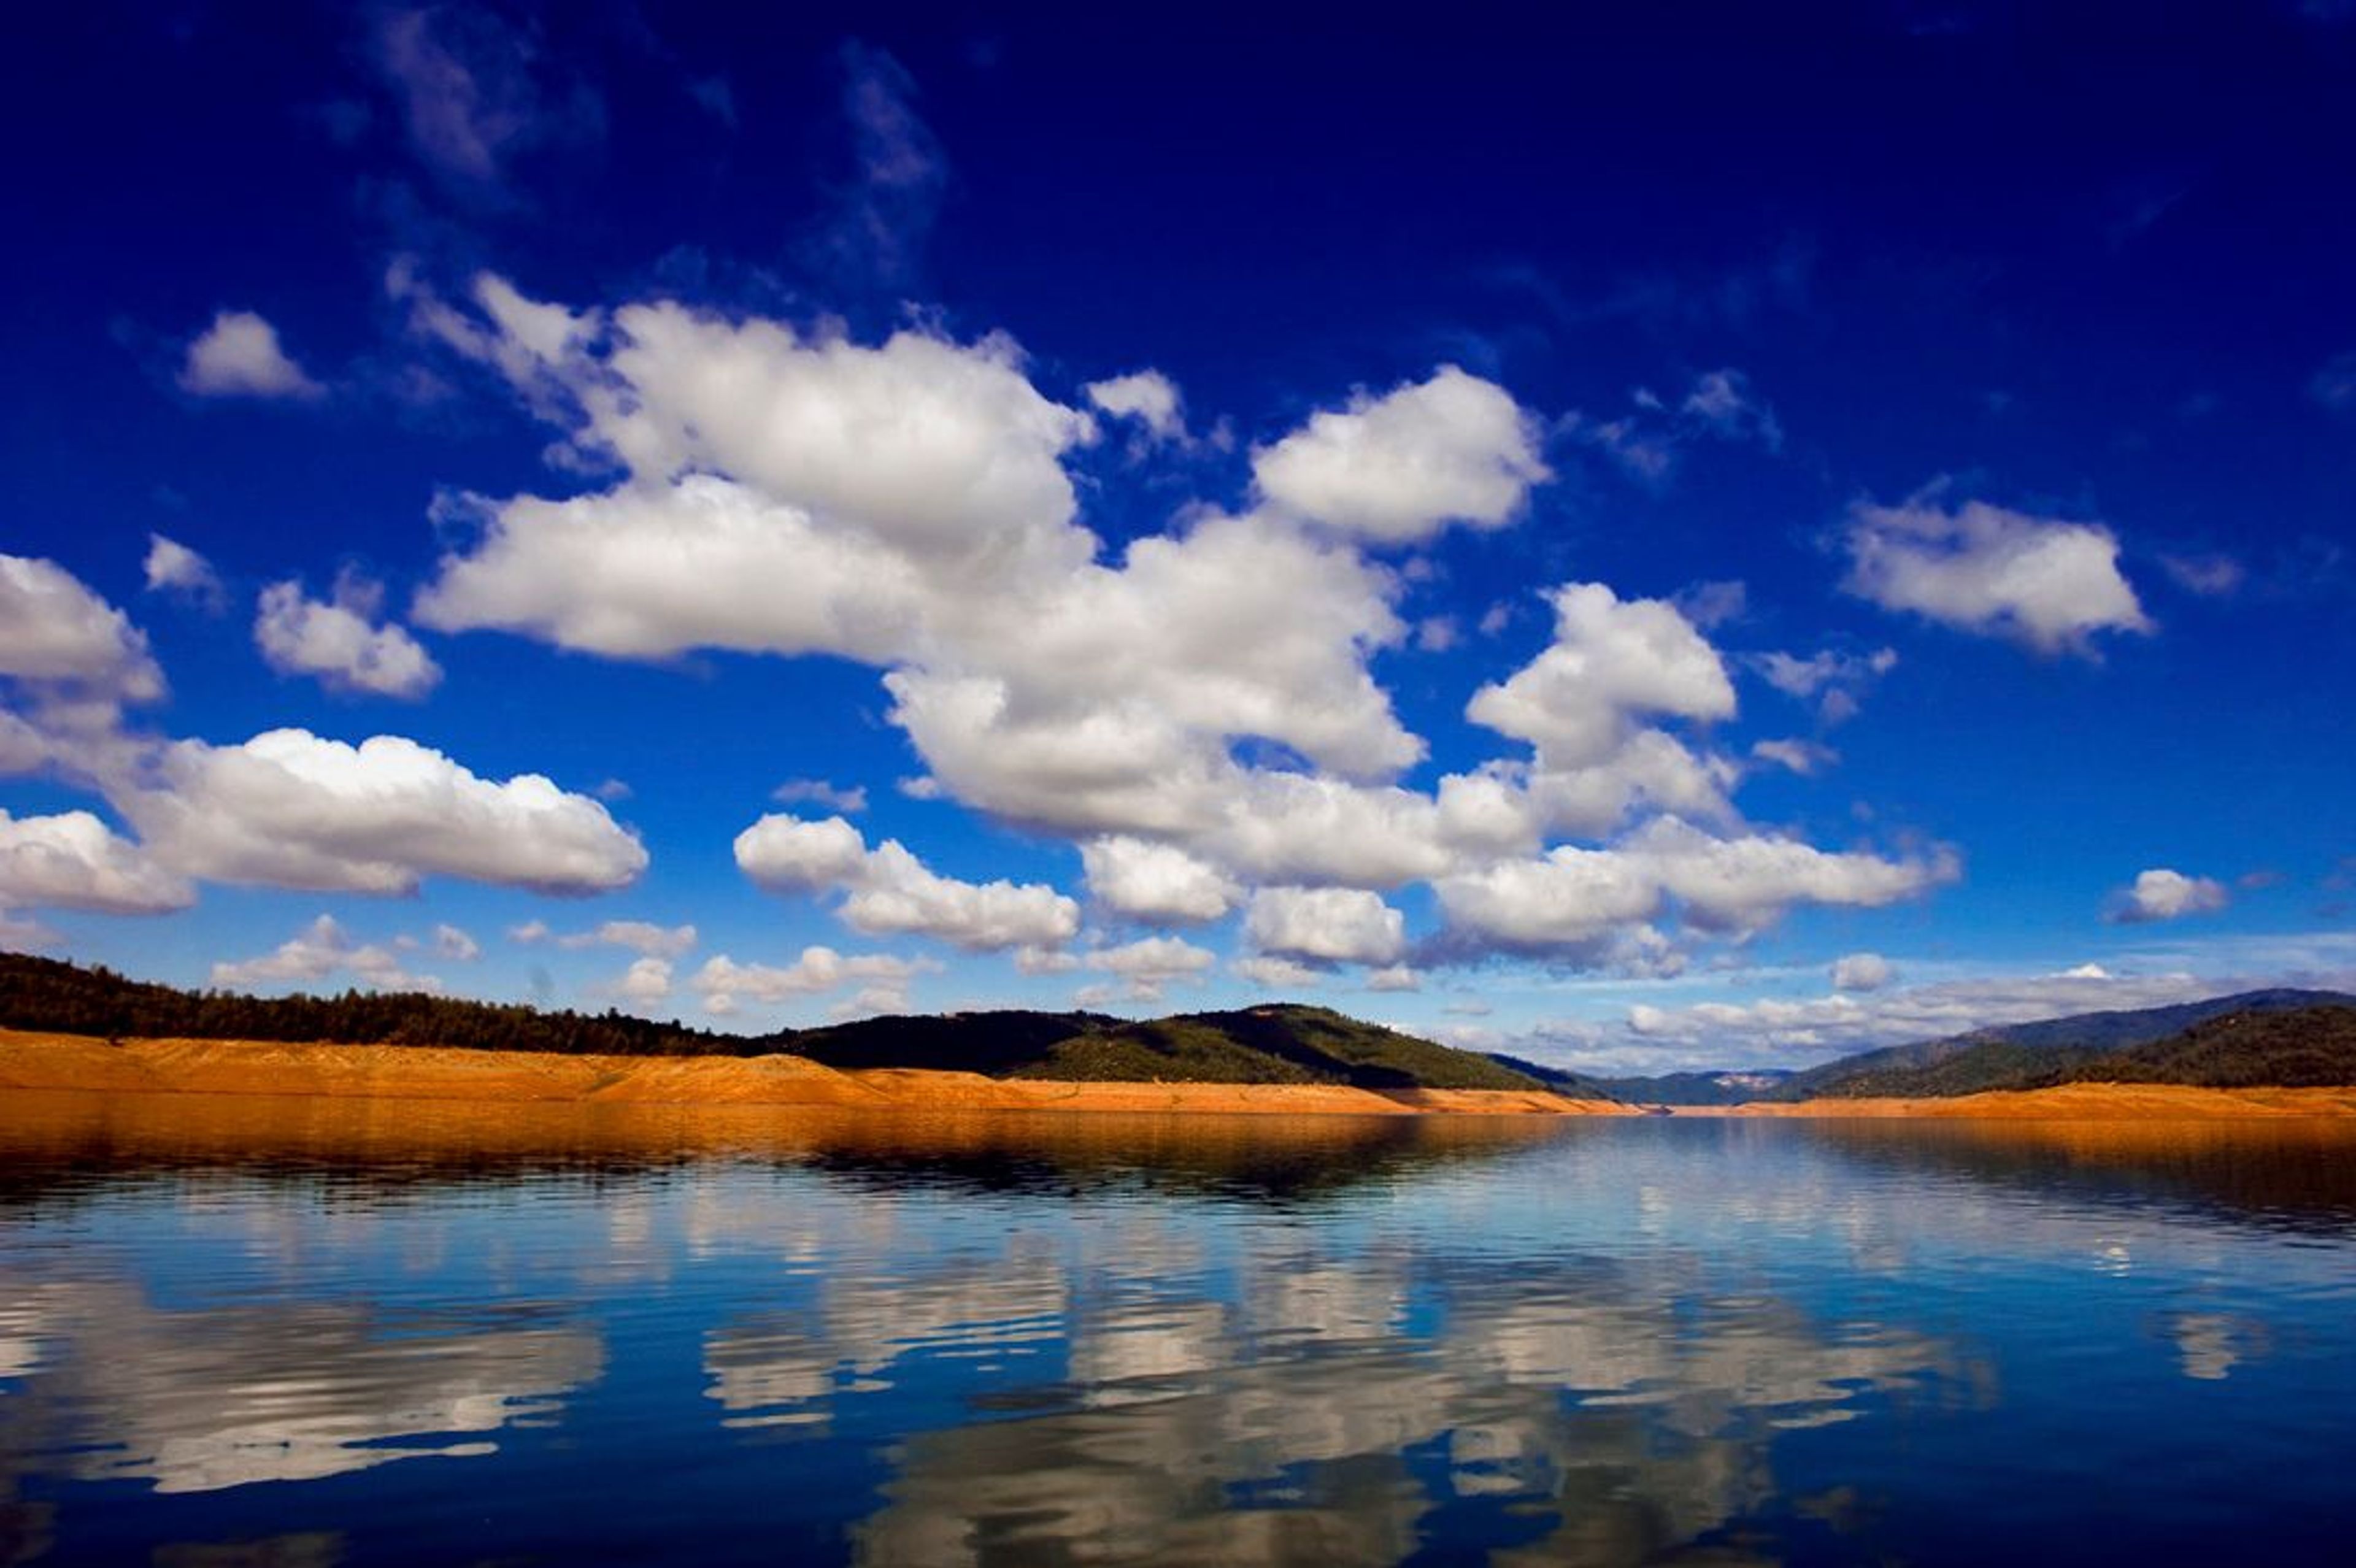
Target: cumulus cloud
{"x": 1862, "y": 972}
{"x": 2046, "y": 582}
{"x": 1575, "y": 898}
{"x": 643, "y": 937}
{"x": 238, "y": 357}
{"x": 1197, "y": 709}
{"x": 1398, "y": 469}
{"x": 291, "y": 809}
{"x": 173, "y": 567}
{"x": 644, "y": 984}
{"x": 1146, "y": 968}
{"x": 1342, "y": 925}
{"x": 337, "y": 642}
{"x": 2163, "y": 894}
{"x": 454, "y": 943}
{"x": 1396, "y": 977}
{"x": 67, "y": 647}
{"x": 1610, "y": 662}
{"x": 322, "y": 950}
{"x": 889, "y": 891}
{"x": 72, "y": 861}
{"x": 1147, "y": 396}
{"x": 724, "y": 983}
{"x": 1156, "y": 882}
{"x": 1271, "y": 973}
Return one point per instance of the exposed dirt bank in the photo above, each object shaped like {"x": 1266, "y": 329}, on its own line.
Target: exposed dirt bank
{"x": 2089, "y": 1102}
{"x": 34, "y": 1061}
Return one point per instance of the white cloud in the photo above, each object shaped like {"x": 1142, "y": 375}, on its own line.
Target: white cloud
{"x": 1611, "y": 660}
{"x": 291, "y": 809}
{"x": 72, "y": 861}
{"x": 850, "y": 802}
{"x": 335, "y": 642}
{"x": 238, "y": 357}
{"x": 644, "y": 984}
{"x": 1198, "y": 709}
{"x": 643, "y": 937}
{"x": 1744, "y": 884}
{"x": 1345, "y": 925}
{"x": 1400, "y": 468}
{"x": 321, "y": 950}
{"x": 454, "y": 943}
{"x": 1862, "y": 972}
{"x": 1573, "y": 899}
{"x": 1144, "y": 395}
{"x": 2043, "y": 581}
{"x": 1806, "y": 758}
{"x": 67, "y": 646}
{"x": 1147, "y": 966}
{"x": 1156, "y": 882}
{"x": 1576, "y": 898}
{"x": 889, "y": 891}
{"x": 528, "y": 933}
{"x": 1397, "y": 977}
{"x": 1830, "y": 671}
{"x": 1273, "y": 974}
{"x": 173, "y": 567}
{"x": 784, "y": 854}
{"x": 724, "y": 983}
{"x": 2162, "y": 894}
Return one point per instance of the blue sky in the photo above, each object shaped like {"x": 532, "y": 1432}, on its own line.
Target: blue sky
{"x": 1679, "y": 539}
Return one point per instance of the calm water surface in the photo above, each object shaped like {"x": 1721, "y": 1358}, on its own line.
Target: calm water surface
{"x": 311, "y": 1333}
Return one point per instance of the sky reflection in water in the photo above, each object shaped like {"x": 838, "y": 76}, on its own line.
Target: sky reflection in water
{"x": 312, "y": 1332}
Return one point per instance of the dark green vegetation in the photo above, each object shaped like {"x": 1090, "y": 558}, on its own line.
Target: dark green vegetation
{"x": 45, "y": 994}
{"x": 1561, "y": 1080}
{"x": 2282, "y": 1038}
{"x": 1277, "y": 1044}
{"x": 1284, "y": 1044}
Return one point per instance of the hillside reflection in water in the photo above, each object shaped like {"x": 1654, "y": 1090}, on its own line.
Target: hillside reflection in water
{"x": 355, "y": 1332}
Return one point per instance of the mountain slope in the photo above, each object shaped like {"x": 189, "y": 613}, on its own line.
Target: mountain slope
{"x": 1276, "y": 1044}
{"x": 2146, "y": 1042}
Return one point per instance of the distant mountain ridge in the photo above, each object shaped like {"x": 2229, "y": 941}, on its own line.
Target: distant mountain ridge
{"x": 1279, "y": 1043}
{"x": 1732, "y": 1087}
{"x": 2183, "y": 1043}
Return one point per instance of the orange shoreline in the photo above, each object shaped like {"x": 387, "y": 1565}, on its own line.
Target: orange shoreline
{"x": 33, "y": 1060}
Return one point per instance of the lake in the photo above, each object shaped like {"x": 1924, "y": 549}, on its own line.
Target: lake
{"x": 299, "y": 1333}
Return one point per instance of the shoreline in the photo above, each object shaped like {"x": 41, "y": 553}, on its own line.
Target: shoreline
{"x": 42, "y": 1061}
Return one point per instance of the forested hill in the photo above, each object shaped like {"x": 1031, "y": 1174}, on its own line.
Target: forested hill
{"x": 1275, "y": 1044}
{"x": 2263, "y": 1038}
